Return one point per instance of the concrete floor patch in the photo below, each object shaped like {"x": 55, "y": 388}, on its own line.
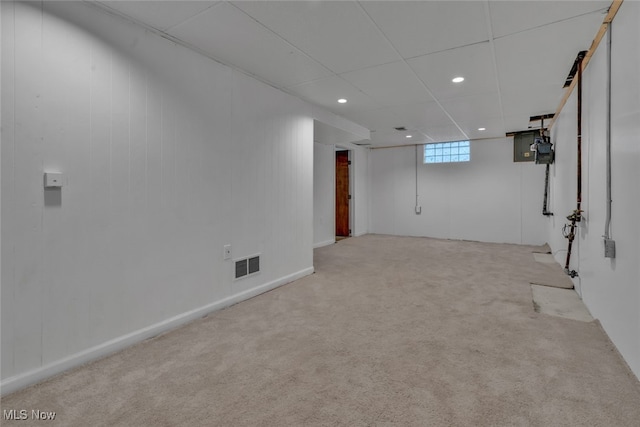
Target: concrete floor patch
{"x": 545, "y": 258}
{"x": 560, "y": 303}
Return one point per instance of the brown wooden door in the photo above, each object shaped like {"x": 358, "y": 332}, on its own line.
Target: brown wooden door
{"x": 342, "y": 193}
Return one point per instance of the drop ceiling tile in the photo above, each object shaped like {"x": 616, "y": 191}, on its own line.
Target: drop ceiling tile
{"x": 493, "y": 128}
{"x": 419, "y": 27}
{"x": 424, "y": 115}
{"x": 232, "y": 37}
{"x": 385, "y": 138}
{"x": 160, "y": 14}
{"x": 509, "y": 17}
{"x": 474, "y": 107}
{"x": 531, "y": 83}
{"x": 516, "y": 122}
{"x": 389, "y": 84}
{"x": 327, "y": 134}
{"x": 532, "y": 100}
{"x": 474, "y": 63}
{"x": 326, "y": 92}
{"x": 445, "y": 133}
{"x": 378, "y": 119}
{"x": 337, "y": 34}
{"x": 523, "y": 60}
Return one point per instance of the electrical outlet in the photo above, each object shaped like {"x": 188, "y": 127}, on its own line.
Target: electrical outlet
{"x": 418, "y": 210}
{"x": 227, "y": 252}
{"x": 52, "y": 180}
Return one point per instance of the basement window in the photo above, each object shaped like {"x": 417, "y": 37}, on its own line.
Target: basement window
{"x": 447, "y": 152}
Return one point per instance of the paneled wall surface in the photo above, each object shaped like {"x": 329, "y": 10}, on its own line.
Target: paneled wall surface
{"x": 609, "y": 287}
{"x": 361, "y": 190}
{"x": 490, "y": 198}
{"x": 324, "y": 212}
{"x": 166, "y": 155}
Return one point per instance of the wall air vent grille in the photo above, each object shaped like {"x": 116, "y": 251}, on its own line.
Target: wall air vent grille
{"x": 241, "y": 268}
{"x": 254, "y": 264}
{"x": 247, "y": 266}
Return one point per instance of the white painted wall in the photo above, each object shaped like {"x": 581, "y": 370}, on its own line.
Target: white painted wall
{"x": 609, "y": 288}
{"x": 347, "y": 131}
{"x": 324, "y": 185}
{"x": 490, "y": 199}
{"x": 167, "y": 156}
{"x": 361, "y": 190}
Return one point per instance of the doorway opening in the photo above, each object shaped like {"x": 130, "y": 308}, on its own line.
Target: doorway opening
{"x": 343, "y": 195}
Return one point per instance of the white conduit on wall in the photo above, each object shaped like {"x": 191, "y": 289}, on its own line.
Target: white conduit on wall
{"x": 609, "y": 244}
{"x": 418, "y": 208}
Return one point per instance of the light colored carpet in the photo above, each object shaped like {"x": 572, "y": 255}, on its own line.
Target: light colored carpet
{"x": 389, "y": 331}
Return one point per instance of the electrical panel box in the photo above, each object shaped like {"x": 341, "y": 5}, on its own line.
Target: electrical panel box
{"x": 609, "y": 248}
{"x": 522, "y": 142}
{"x": 544, "y": 152}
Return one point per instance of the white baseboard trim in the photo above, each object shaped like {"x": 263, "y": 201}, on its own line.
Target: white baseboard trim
{"x": 23, "y": 380}
{"x": 360, "y": 234}
{"x": 325, "y": 243}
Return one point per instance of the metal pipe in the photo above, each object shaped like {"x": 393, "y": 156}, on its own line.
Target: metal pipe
{"x": 545, "y": 203}
{"x": 576, "y": 215}
{"x": 545, "y": 212}
{"x": 579, "y": 165}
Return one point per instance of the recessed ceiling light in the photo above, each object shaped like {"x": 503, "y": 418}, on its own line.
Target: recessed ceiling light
{"x": 342, "y": 101}
{"x": 408, "y": 136}
{"x": 457, "y": 79}
{"x": 482, "y": 128}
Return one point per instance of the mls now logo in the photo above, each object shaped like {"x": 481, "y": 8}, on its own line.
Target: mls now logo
{"x": 15, "y": 414}
{"x": 23, "y": 414}
{"x": 37, "y": 414}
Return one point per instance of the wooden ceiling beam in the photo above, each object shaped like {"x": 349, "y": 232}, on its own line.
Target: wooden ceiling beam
{"x": 613, "y": 10}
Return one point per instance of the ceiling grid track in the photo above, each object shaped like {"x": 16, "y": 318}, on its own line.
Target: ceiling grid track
{"x": 548, "y": 24}
{"x": 330, "y": 71}
{"x": 446, "y": 50}
{"x": 166, "y": 30}
{"x": 419, "y": 81}
{"x": 284, "y": 40}
{"x": 414, "y": 73}
{"x": 487, "y": 14}
{"x": 109, "y": 10}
